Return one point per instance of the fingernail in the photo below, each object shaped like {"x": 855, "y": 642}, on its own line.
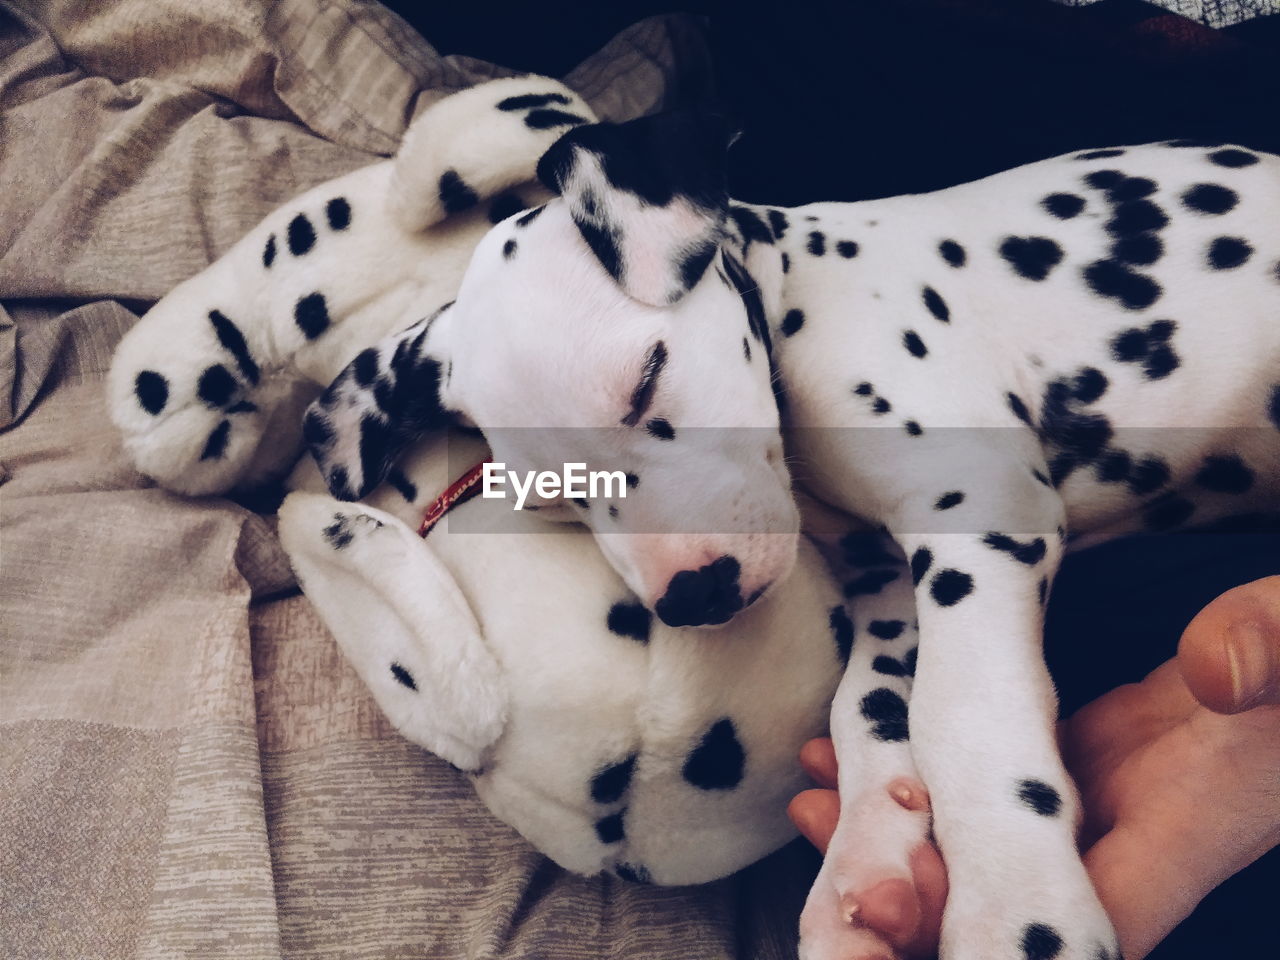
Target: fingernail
{"x": 1250, "y": 662}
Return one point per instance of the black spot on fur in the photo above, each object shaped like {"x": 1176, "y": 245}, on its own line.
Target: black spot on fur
{"x": 792, "y": 322}
{"x": 529, "y": 217}
{"x": 892, "y": 667}
{"x": 746, "y": 349}
{"x": 311, "y": 314}
{"x": 1104, "y": 179}
{"x": 1064, "y": 206}
{"x": 455, "y": 195}
{"x": 233, "y": 342}
{"x": 526, "y": 101}
{"x": 315, "y": 429}
{"x": 338, "y": 212}
{"x": 949, "y": 587}
{"x": 603, "y": 242}
{"x": 880, "y": 406}
{"x": 935, "y": 304}
{"x": 778, "y": 223}
{"x": 1210, "y": 198}
{"x": 504, "y": 205}
{"x": 750, "y": 225}
{"x": 1225, "y": 473}
{"x": 661, "y": 429}
{"x": 397, "y": 671}
{"x": 152, "y": 390}
{"x": 921, "y": 561}
{"x": 365, "y": 366}
{"x": 1099, "y": 154}
{"x": 1133, "y": 188}
{"x": 864, "y": 389}
{"x": 216, "y": 445}
{"x": 786, "y": 262}
{"x": 1019, "y": 408}
{"x": 216, "y": 386}
{"x": 1089, "y": 385}
{"x": 886, "y": 629}
{"x": 718, "y": 761}
{"x": 301, "y": 235}
{"x": 269, "y": 251}
{"x": 1042, "y": 590}
{"x": 402, "y": 484}
{"x": 581, "y": 502}
{"x": 842, "y": 633}
{"x": 611, "y": 782}
{"x": 952, "y": 252}
{"x": 847, "y": 249}
{"x": 1031, "y": 257}
{"x": 546, "y": 119}
{"x": 508, "y": 249}
{"x": 866, "y": 550}
{"x": 1149, "y": 346}
{"x": 817, "y": 244}
{"x": 633, "y": 873}
{"x": 873, "y": 581}
{"x": 1168, "y": 512}
{"x": 1233, "y": 158}
{"x": 1148, "y": 475}
{"x": 1029, "y": 553}
{"x": 1113, "y": 279}
{"x": 1040, "y": 942}
{"x": 1141, "y": 249}
{"x": 1040, "y": 797}
{"x": 633, "y": 481}
{"x": 886, "y": 711}
{"x": 948, "y": 500}
{"x": 694, "y": 262}
{"x": 609, "y": 829}
{"x": 1227, "y": 253}
{"x": 915, "y": 346}
{"x": 630, "y": 619}
{"x": 1136, "y": 216}
{"x": 749, "y": 290}
{"x": 914, "y": 429}
{"x": 339, "y": 536}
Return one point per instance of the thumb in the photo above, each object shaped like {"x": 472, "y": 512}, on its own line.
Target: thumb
{"x": 1230, "y": 653}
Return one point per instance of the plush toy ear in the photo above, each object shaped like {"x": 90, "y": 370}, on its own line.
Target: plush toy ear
{"x": 648, "y": 197}
{"x": 382, "y": 401}
{"x": 401, "y": 620}
{"x": 474, "y": 144}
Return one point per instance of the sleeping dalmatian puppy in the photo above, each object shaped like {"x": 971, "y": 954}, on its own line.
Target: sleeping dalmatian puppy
{"x": 673, "y": 761}
{"x": 1086, "y": 343}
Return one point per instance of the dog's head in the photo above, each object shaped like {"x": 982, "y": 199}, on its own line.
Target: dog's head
{"x": 616, "y": 328}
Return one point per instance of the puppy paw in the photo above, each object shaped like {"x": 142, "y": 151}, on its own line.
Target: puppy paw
{"x": 864, "y": 902}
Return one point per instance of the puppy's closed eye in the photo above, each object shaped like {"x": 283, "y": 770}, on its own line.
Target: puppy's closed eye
{"x": 642, "y": 395}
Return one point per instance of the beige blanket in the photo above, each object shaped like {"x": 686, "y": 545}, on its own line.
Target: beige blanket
{"x": 188, "y": 768}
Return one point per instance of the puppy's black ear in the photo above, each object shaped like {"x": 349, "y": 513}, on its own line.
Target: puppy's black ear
{"x": 384, "y": 400}
{"x": 648, "y": 197}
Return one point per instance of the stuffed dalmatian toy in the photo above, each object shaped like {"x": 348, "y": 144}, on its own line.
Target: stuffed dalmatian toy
{"x": 610, "y": 740}
{"x": 1087, "y": 343}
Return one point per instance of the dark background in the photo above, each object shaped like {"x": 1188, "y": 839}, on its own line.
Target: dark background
{"x": 856, "y": 100}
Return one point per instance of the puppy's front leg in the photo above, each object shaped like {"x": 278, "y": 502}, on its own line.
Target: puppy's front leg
{"x": 982, "y": 720}
{"x": 863, "y": 901}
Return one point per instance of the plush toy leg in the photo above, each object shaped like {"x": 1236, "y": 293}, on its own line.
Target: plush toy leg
{"x": 401, "y": 620}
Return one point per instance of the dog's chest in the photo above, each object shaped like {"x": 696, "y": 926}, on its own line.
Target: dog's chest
{"x": 1123, "y": 304}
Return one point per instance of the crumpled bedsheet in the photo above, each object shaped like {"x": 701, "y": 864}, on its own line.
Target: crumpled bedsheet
{"x": 188, "y": 766}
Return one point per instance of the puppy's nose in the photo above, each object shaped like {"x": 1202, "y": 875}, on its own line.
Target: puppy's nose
{"x": 708, "y": 595}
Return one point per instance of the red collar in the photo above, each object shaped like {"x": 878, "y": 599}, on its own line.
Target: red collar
{"x": 460, "y": 491}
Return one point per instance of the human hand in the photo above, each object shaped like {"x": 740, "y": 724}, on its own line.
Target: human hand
{"x": 1211, "y": 718}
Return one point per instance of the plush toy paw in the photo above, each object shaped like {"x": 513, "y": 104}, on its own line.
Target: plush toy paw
{"x": 402, "y": 622}
{"x": 210, "y": 386}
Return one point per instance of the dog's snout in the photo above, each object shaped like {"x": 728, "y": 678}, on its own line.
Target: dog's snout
{"x": 708, "y": 595}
